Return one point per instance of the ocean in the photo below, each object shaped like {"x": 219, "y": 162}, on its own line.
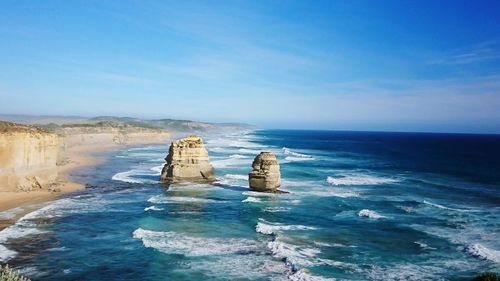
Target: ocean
{"x": 361, "y": 206}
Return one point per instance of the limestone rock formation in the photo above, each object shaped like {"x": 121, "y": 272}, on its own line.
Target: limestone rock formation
{"x": 28, "y": 157}
{"x": 187, "y": 160}
{"x": 265, "y": 176}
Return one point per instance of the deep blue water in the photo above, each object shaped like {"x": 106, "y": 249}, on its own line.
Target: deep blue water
{"x": 362, "y": 206}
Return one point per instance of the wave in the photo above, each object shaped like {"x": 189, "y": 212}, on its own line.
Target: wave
{"x": 179, "y": 243}
{"x": 296, "y": 159}
{"x": 236, "y": 177}
{"x": 128, "y": 176}
{"x": 248, "y": 151}
{"x": 443, "y": 207}
{"x": 359, "y": 180}
{"x": 229, "y": 162}
{"x": 268, "y": 228}
{"x": 258, "y": 194}
{"x": 153, "y": 208}
{"x": 481, "y": 252}
{"x": 238, "y": 156}
{"x": 276, "y": 209}
{"x": 287, "y": 151}
{"x": 161, "y": 199}
{"x": 369, "y": 214}
{"x": 10, "y": 214}
{"x": 18, "y": 230}
{"x": 292, "y": 254}
{"x": 424, "y": 246}
{"x": 157, "y": 169}
{"x": 330, "y": 193}
{"x": 304, "y": 275}
{"x": 252, "y": 200}
{"x": 240, "y": 143}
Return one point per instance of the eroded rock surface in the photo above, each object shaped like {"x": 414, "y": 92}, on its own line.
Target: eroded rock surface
{"x": 187, "y": 160}
{"x": 265, "y": 176}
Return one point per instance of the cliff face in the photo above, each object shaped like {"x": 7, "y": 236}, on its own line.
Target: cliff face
{"x": 187, "y": 160}
{"x": 265, "y": 176}
{"x": 28, "y": 157}
{"x": 107, "y": 135}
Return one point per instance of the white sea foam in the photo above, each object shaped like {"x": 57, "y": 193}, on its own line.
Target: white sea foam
{"x": 229, "y": 162}
{"x": 443, "y": 207}
{"x": 369, "y": 214}
{"x": 128, "y": 176}
{"x": 6, "y": 254}
{"x": 424, "y": 246}
{"x": 236, "y": 177}
{"x": 268, "y": 228}
{"x": 157, "y": 169}
{"x": 295, "y": 159}
{"x": 259, "y": 194}
{"x": 276, "y": 209}
{"x": 20, "y": 229}
{"x": 304, "y": 275}
{"x": 287, "y": 151}
{"x": 11, "y": 213}
{"x": 252, "y": 200}
{"x": 480, "y": 251}
{"x": 248, "y": 151}
{"x": 357, "y": 179}
{"x": 180, "y": 243}
{"x": 240, "y": 143}
{"x": 161, "y": 199}
{"x": 329, "y": 193}
{"x": 153, "y": 208}
{"x": 238, "y": 156}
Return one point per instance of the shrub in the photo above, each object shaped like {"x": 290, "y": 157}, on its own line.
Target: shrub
{"x": 7, "y": 274}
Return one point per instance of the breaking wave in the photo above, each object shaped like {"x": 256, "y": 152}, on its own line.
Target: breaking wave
{"x": 252, "y": 200}
{"x": 268, "y": 228}
{"x": 359, "y": 180}
{"x": 153, "y": 208}
{"x": 481, "y": 252}
{"x": 236, "y": 177}
{"x": 369, "y": 214}
{"x": 161, "y": 199}
{"x": 179, "y": 243}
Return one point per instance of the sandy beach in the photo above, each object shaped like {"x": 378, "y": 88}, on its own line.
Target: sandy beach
{"x": 17, "y": 204}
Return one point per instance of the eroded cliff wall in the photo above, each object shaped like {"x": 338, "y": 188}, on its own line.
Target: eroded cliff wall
{"x": 28, "y": 157}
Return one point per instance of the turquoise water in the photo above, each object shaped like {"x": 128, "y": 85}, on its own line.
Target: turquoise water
{"x": 362, "y": 206}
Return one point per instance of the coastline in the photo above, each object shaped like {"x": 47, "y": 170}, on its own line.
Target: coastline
{"x": 17, "y": 203}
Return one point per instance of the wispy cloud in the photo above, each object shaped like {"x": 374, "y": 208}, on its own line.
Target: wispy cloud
{"x": 482, "y": 52}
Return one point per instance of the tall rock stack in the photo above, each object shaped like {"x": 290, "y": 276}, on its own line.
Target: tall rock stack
{"x": 187, "y": 160}
{"x": 265, "y": 176}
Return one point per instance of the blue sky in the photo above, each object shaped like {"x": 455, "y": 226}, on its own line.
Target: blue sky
{"x": 355, "y": 65}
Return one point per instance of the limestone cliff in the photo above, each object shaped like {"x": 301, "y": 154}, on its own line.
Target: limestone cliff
{"x": 77, "y": 135}
{"x": 265, "y": 176}
{"x": 187, "y": 160}
{"x": 28, "y": 157}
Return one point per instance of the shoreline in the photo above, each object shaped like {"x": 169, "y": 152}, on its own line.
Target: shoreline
{"x": 16, "y": 204}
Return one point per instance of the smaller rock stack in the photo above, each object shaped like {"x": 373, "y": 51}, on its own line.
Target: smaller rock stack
{"x": 187, "y": 160}
{"x": 265, "y": 176}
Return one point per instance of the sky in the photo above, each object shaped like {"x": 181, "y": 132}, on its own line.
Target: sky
{"x": 345, "y": 65}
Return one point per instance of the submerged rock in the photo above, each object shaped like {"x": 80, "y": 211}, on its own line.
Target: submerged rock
{"x": 265, "y": 176}
{"x": 187, "y": 160}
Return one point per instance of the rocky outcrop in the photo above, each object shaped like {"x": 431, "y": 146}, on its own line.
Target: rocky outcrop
{"x": 28, "y": 157}
{"x": 187, "y": 160}
{"x": 265, "y": 176}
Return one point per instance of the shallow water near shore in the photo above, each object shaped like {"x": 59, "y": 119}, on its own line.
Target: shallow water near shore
{"x": 362, "y": 206}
